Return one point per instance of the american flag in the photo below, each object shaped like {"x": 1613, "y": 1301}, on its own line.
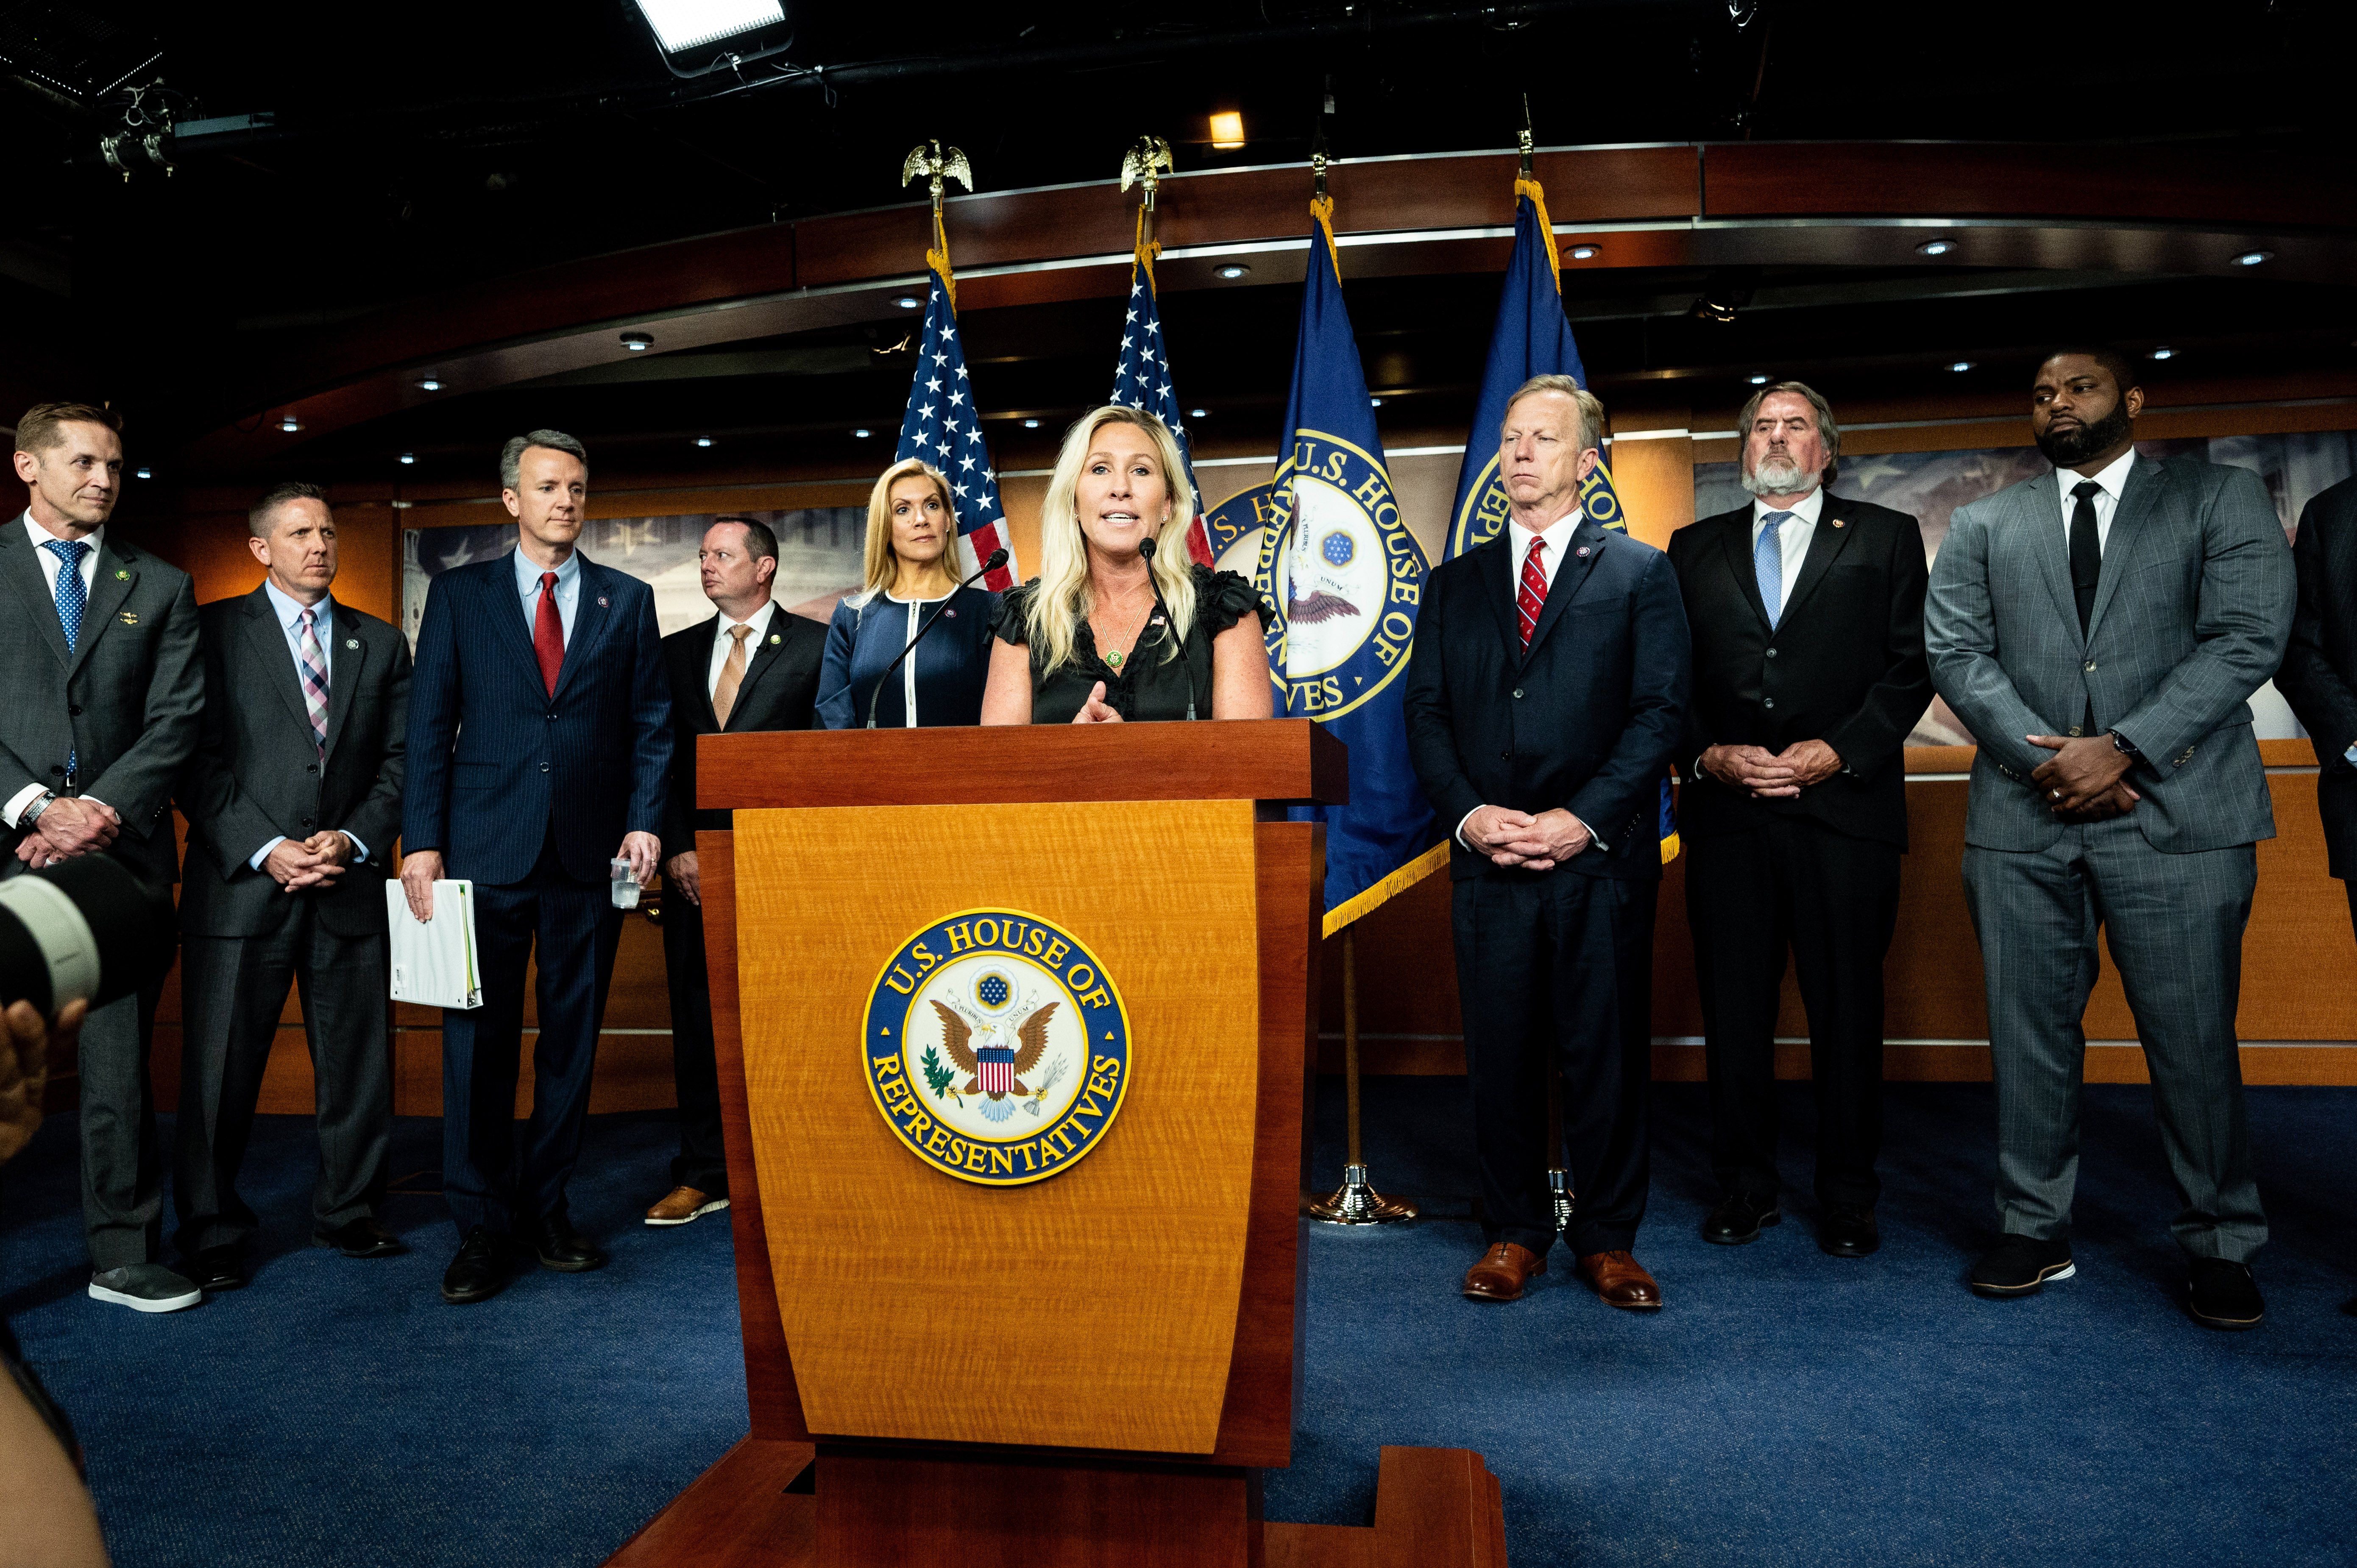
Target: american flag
{"x": 943, "y": 427}
{"x": 1141, "y": 379}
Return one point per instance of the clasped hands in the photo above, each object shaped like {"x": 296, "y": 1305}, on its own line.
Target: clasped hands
{"x": 2086, "y": 779}
{"x": 422, "y": 869}
{"x": 1772, "y": 775}
{"x": 314, "y": 862}
{"x": 70, "y": 826}
{"x": 1537, "y": 842}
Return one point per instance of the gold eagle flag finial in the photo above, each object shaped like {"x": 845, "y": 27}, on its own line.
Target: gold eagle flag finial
{"x": 937, "y": 164}
{"x": 1146, "y": 164}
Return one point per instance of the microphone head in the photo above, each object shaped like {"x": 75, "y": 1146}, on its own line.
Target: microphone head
{"x": 1145, "y": 548}
{"x": 998, "y": 559}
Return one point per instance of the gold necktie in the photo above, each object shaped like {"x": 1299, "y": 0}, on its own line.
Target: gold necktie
{"x": 732, "y": 675}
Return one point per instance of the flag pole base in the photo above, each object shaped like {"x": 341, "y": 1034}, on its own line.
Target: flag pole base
{"x": 1357, "y": 1203}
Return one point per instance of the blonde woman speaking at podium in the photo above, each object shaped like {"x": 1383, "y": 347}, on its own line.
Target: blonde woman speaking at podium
{"x": 912, "y": 581}
{"x": 1090, "y": 640}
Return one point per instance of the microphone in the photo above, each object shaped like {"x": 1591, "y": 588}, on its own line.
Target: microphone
{"x": 998, "y": 559}
{"x": 1146, "y": 553}
{"x": 84, "y": 928}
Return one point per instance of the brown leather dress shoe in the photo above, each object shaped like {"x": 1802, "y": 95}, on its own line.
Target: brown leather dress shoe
{"x": 682, "y": 1204}
{"x": 1621, "y": 1281}
{"x": 1501, "y": 1272}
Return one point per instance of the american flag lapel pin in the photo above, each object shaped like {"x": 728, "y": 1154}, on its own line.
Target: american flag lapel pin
{"x": 1583, "y": 550}
{"x": 601, "y": 601}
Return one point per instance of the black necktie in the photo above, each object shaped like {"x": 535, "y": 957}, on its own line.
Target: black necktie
{"x": 2086, "y": 551}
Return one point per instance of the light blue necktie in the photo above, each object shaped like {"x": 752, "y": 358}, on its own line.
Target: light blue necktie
{"x": 72, "y": 598}
{"x": 1768, "y": 561}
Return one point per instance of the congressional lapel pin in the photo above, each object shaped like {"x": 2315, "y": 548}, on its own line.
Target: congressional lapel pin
{"x": 1581, "y": 551}
{"x": 775, "y": 639}
{"x": 1837, "y": 522}
{"x": 601, "y": 601}
{"x": 353, "y": 643}
{"x": 120, "y": 576}
{"x": 129, "y": 618}
{"x": 950, "y": 612}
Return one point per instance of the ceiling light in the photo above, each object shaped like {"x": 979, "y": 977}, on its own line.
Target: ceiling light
{"x": 1030, "y": 424}
{"x": 1935, "y": 247}
{"x": 403, "y": 506}
{"x": 704, "y": 440}
{"x": 429, "y": 384}
{"x": 143, "y": 473}
{"x": 1227, "y": 131}
{"x": 407, "y": 459}
{"x": 1199, "y": 414}
{"x": 1231, "y": 272}
{"x": 908, "y": 302}
{"x": 684, "y": 25}
{"x": 637, "y": 343}
{"x": 1961, "y": 366}
{"x": 1583, "y": 253}
{"x": 1374, "y": 402}
{"x": 290, "y": 424}
{"x": 863, "y": 433}
{"x": 1759, "y": 380}
{"x": 2163, "y": 352}
{"x": 2254, "y": 258}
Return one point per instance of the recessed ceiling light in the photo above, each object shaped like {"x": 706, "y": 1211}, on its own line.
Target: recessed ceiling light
{"x": 2254, "y": 258}
{"x": 637, "y": 343}
{"x": 290, "y": 424}
{"x": 1583, "y": 253}
{"x": 1227, "y": 131}
{"x": 143, "y": 473}
{"x": 1375, "y": 402}
{"x": 407, "y": 459}
{"x": 403, "y": 506}
{"x": 1759, "y": 380}
{"x": 1961, "y": 366}
{"x": 430, "y": 383}
{"x": 2164, "y": 353}
{"x": 1231, "y": 271}
{"x": 1935, "y": 247}
{"x": 908, "y": 302}
{"x": 1030, "y": 424}
{"x": 1199, "y": 414}
{"x": 704, "y": 440}
{"x": 863, "y": 433}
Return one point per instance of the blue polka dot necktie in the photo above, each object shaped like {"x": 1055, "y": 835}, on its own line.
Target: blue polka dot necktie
{"x": 1768, "y": 561}
{"x": 72, "y": 600}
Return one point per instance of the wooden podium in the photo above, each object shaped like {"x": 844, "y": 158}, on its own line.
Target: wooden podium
{"x": 1049, "y": 1316}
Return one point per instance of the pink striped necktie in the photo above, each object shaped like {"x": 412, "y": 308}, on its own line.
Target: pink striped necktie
{"x": 1532, "y": 596}
{"x": 314, "y": 680}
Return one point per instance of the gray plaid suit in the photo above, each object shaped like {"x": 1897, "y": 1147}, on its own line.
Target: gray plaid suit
{"x": 2191, "y": 613}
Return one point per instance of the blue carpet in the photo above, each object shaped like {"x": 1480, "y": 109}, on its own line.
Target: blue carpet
{"x": 1784, "y": 1407}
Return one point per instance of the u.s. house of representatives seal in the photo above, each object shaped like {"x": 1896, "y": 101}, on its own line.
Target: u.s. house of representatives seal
{"x": 1343, "y": 576}
{"x": 996, "y": 1046}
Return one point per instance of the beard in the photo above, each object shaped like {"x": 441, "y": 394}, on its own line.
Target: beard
{"x": 2069, "y": 449}
{"x": 1776, "y": 474}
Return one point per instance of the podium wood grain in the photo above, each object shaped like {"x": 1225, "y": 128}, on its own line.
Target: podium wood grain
{"x": 1095, "y": 1309}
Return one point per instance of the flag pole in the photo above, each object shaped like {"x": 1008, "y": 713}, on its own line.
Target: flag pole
{"x": 1144, "y": 164}
{"x": 1355, "y": 1202}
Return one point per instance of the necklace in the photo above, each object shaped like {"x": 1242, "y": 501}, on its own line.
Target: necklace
{"x": 1130, "y": 630}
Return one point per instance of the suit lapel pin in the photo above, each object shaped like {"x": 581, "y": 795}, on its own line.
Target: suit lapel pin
{"x": 950, "y": 612}
{"x": 129, "y": 618}
{"x": 1837, "y": 522}
{"x": 120, "y": 576}
{"x": 1581, "y": 551}
{"x": 775, "y": 639}
{"x": 601, "y": 601}
{"x": 353, "y": 643}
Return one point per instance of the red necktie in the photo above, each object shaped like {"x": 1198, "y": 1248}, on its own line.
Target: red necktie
{"x": 1533, "y": 598}
{"x": 548, "y": 632}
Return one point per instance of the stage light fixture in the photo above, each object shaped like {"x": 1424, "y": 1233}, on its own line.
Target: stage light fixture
{"x": 637, "y": 343}
{"x": 1583, "y": 253}
{"x": 2163, "y": 352}
{"x": 143, "y": 473}
{"x": 704, "y": 440}
{"x": 1230, "y": 272}
{"x": 1227, "y": 131}
{"x": 430, "y": 383}
{"x": 1935, "y": 247}
{"x": 684, "y": 25}
{"x": 1374, "y": 402}
{"x": 1199, "y": 414}
{"x": 407, "y": 459}
{"x": 1725, "y": 291}
{"x": 1961, "y": 366}
{"x": 908, "y": 302}
{"x": 863, "y": 433}
{"x": 290, "y": 424}
{"x": 2254, "y": 258}
{"x": 1759, "y": 380}
{"x": 1030, "y": 424}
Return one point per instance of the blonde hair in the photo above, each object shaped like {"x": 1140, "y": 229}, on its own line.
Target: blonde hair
{"x": 883, "y": 561}
{"x": 1590, "y": 406}
{"x": 1060, "y": 599}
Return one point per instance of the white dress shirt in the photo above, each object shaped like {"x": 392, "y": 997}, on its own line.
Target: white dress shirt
{"x": 1558, "y": 535}
{"x": 568, "y": 590}
{"x": 2114, "y": 480}
{"x": 758, "y": 620}
{"x": 290, "y": 622}
{"x": 96, "y": 539}
{"x": 1793, "y": 539}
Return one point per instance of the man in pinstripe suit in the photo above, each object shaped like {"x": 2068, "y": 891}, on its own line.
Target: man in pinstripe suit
{"x": 2100, "y": 630}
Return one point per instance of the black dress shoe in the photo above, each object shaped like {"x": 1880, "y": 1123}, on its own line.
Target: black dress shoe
{"x": 2224, "y": 1295}
{"x": 1739, "y": 1218}
{"x": 1849, "y": 1233}
{"x": 560, "y": 1247}
{"x": 216, "y": 1268}
{"x": 361, "y": 1237}
{"x": 2020, "y": 1265}
{"x": 480, "y": 1271}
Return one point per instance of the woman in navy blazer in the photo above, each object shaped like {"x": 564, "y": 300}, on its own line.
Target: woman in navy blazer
{"x": 913, "y": 577}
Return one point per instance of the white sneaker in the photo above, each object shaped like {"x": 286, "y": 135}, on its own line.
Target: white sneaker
{"x": 143, "y": 1287}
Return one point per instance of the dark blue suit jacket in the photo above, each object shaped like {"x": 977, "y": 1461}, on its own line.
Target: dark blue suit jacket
{"x": 492, "y": 754}
{"x": 1588, "y": 719}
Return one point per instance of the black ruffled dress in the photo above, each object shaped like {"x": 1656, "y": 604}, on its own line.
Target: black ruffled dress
{"x": 1146, "y": 687}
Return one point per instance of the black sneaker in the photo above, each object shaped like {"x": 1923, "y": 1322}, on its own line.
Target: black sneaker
{"x": 1739, "y": 1218}
{"x": 2018, "y": 1265}
{"x": 2224, "y": 1295}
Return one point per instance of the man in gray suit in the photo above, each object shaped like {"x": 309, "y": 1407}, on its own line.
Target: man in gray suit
{"x": 294, "y": 804}
{"x": 99, "y": 716}
{"x": 2100, "y": 631}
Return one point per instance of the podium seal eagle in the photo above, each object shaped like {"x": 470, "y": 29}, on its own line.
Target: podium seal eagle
{"x": 995, "y": 1047}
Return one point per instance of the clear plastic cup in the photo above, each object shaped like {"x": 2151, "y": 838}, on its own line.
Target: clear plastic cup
{"x": 626, "y": 882}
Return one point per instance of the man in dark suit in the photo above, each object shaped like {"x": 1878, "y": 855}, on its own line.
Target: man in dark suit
{"x": 2318, "y": 677}
{"x": 294, "y": 804}
{"x": 539, "y": 747}
{"x": 750, "y": 667}
{"x": 2100, "y": 630}
{"x": 1807, "y": 611}
{"x": 1544, "y": 702}
{"x": 101, "y": 712}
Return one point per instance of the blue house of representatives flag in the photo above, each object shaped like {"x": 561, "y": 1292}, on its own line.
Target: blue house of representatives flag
{"x": 1531, "y": 338}
{"x": 1345, "y": 576}
{"x": 943, "y": 427}
{"x": 1141, "y": 375}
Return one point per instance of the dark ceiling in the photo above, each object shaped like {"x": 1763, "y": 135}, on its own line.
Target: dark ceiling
{"x": 410, "y": 148}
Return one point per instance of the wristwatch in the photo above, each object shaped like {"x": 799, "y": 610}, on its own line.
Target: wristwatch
{"x": 32, "y": 813}
{"x": 2120, "y": 743}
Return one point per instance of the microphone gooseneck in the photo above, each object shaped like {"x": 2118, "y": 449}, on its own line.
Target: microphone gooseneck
{"x": 1146, "y": 553}
{"x": 998, "y": 559}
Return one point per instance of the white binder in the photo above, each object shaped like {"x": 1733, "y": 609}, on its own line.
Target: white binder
{"x": 433, "y": 961}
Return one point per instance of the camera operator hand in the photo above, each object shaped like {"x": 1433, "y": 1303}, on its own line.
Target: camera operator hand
{"x": 25, "y": 1047}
